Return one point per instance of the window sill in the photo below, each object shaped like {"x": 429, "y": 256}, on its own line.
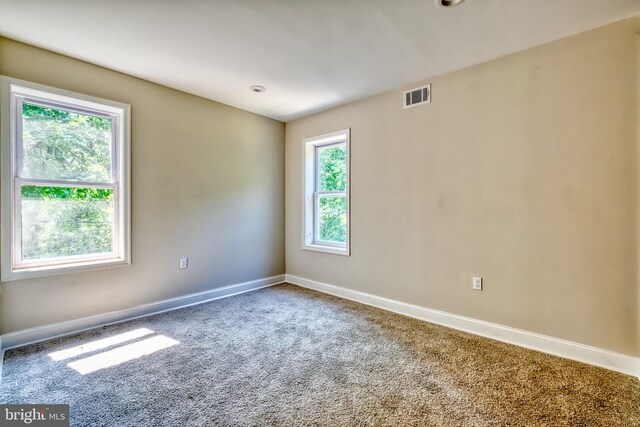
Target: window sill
{"x": 51, "y": 270}
{"x": 327, "y": 249}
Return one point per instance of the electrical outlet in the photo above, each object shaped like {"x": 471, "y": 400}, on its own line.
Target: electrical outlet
{"x": 184, "y": 263}
{"x": 477, "y": 283}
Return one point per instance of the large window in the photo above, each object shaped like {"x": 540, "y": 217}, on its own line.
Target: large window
{"x": 65, "y": 172}
{"x": 326, "y": 196}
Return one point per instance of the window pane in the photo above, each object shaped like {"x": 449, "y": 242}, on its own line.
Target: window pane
{"x": 332, "y": 219}
{"x": 332, "y": 168}
{"x": 61, "y": 145}
{"x": 59, "y": 222}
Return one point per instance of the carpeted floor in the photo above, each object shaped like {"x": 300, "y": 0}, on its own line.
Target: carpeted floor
{"x": 287, "y": 356}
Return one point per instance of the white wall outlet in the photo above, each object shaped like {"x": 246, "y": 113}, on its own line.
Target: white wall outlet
{"x": 184, "y": 263}
{"x": 477, "y": 283}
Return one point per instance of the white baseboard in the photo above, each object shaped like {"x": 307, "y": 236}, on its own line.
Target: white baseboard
{"x": 570, "y": 350}
{"x": 42, "y": 333}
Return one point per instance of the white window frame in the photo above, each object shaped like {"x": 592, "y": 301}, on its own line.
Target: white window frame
{"x": 311, "y": 193}
{"x": 13, "y": 93}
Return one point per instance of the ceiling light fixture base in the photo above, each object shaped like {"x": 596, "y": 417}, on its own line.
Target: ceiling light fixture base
{"x": 448, "y": 3}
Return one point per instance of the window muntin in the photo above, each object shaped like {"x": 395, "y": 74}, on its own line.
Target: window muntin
{"x": 66, "y": 162}
{"x": 327, "y": 193}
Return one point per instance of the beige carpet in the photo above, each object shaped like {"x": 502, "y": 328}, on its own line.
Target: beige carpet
{"x": 286, "y": 356}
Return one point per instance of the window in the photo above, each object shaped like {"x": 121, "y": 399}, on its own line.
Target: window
{"x": 65, "y": 181}
{"x": 326, "y": 193}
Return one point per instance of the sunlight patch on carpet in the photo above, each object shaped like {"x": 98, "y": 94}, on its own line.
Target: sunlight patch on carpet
{"x": 122, "y": 354}
{"x": 99, "y": 344}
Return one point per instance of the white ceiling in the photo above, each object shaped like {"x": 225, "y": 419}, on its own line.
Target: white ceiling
{"x": 309, "y": 54}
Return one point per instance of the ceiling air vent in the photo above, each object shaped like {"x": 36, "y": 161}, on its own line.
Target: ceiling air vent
{"x": 417, "y": 96}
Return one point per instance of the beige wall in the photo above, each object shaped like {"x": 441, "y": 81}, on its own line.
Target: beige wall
{"x": 523, "y": 170}
{"x": 207, "y": 183}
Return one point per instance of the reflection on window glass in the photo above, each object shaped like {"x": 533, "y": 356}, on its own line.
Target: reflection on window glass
{"x": 66, "y": 221}
{"x": 61, "y": 145}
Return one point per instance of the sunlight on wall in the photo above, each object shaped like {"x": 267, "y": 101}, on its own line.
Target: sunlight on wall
{"x": 99, "y": 344}
{"x": 122, "y": 354}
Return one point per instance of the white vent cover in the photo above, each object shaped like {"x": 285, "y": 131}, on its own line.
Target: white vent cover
{"x": 417, "y": 96}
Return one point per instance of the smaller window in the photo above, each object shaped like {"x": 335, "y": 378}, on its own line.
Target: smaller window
{"x": 326, "y": 193}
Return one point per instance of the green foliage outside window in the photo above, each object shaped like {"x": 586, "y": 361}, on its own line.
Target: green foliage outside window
{"x": 59, "y": 222}
{"x": 333, "y": 219}
{"x": 65, "y": 221}
{"x": 332, "y": 168}
{"x": 332, "y": 176}
{"x": 39, "y": 193}
{"x": 62, "y": 145}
